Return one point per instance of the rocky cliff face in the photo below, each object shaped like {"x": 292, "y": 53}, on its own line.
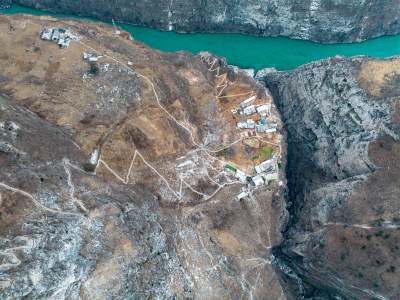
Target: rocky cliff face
{"x": 5, "y": 3}
{"x": 155, "y": 216}
{"x": 342, "y": 118}
{"x": 326, "y": 21}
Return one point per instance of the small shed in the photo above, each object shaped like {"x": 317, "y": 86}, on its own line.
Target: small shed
{"x": 241, "y": 195}
{"x": 90, "y": 57}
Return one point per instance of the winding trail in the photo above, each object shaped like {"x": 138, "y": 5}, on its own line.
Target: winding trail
{"x": 162, "y": 107}
{"x": 211, "y": 63}
{"x": 182, "y": 181}
{"x": 221, "y": 85}
{"x": 387, "y": 225}
{"x": 206, "y": 150}
{"x": 66, "y": 163}
{"x": 40, "y": 205}
{"x": 224, "y": 82}
{"x": 30, "y": 243}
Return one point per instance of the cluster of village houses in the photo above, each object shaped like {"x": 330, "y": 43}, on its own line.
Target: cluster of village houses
{"x": 267, "y": 170}
{"x": 63, "y": 37}
{"x": 263, "y": 110}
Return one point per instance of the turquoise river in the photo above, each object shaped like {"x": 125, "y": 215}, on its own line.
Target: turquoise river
{"x": 247, "y": 51}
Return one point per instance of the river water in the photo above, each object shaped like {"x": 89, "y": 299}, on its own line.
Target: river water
{"x": 247, "y": 51}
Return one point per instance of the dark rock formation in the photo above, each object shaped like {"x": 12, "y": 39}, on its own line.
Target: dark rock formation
{"x": 342, "y": 120}
{"x": 5, "y": 3}
{"x": 324, "y": 21}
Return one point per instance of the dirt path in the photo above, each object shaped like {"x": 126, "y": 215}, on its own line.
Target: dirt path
{"x": 30, "y": 243}
{"x": 26, "y": 194}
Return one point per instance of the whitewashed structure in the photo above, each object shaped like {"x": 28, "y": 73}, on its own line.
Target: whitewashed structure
{"x": 257, "y": 180}
{"x": 241, "y": 195}
{"x": 263, "y": 110}
{"x": 249, "y": 110}
{"x": 249, "y": 124}
{"x": 247, "y": 102}
{"x": 60, "y": 36}
{"x": 241, "y": 176}
{"x": 268, "y": 166}
{"x": 90, "y": 57}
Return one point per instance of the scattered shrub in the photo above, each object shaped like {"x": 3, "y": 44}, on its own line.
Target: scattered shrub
{"x": 89, "y": 167}
{"x": 223, "y": 152}
{"x": 94, "y": 69}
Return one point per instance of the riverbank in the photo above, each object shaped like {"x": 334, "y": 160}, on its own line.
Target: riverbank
{"x": 246, "y": 51}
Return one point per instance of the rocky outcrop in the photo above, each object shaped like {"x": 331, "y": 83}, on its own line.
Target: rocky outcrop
{"x": 325, "y": 21}
{"x": 5, "y": 3}
{"x": 342, "y": 119}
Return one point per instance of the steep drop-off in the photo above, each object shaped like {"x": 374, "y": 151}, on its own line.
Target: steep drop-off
{"x": 342, "y": 119}
{"x": 325, "y": 21}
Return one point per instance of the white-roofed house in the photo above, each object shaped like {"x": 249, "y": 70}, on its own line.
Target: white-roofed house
{"x": 241, "y": 125}
{"x": 267, "y": 128}
{"x": 247, "y": 102}
{"x": 250, "y": 110}
{"x": 46, "y": 34}
{"x": 257, "y": 180}
{"x": 263, "y": 110}
{"x": 270, "y": 130}
{"x": 241, "y": 176}
{"x": 250, "y": 124}
{"x": 91, "y": 57}
{"x": 268, "y": 166}
{"x": 241, "y": 195}
{"x": 261, "y": 128}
